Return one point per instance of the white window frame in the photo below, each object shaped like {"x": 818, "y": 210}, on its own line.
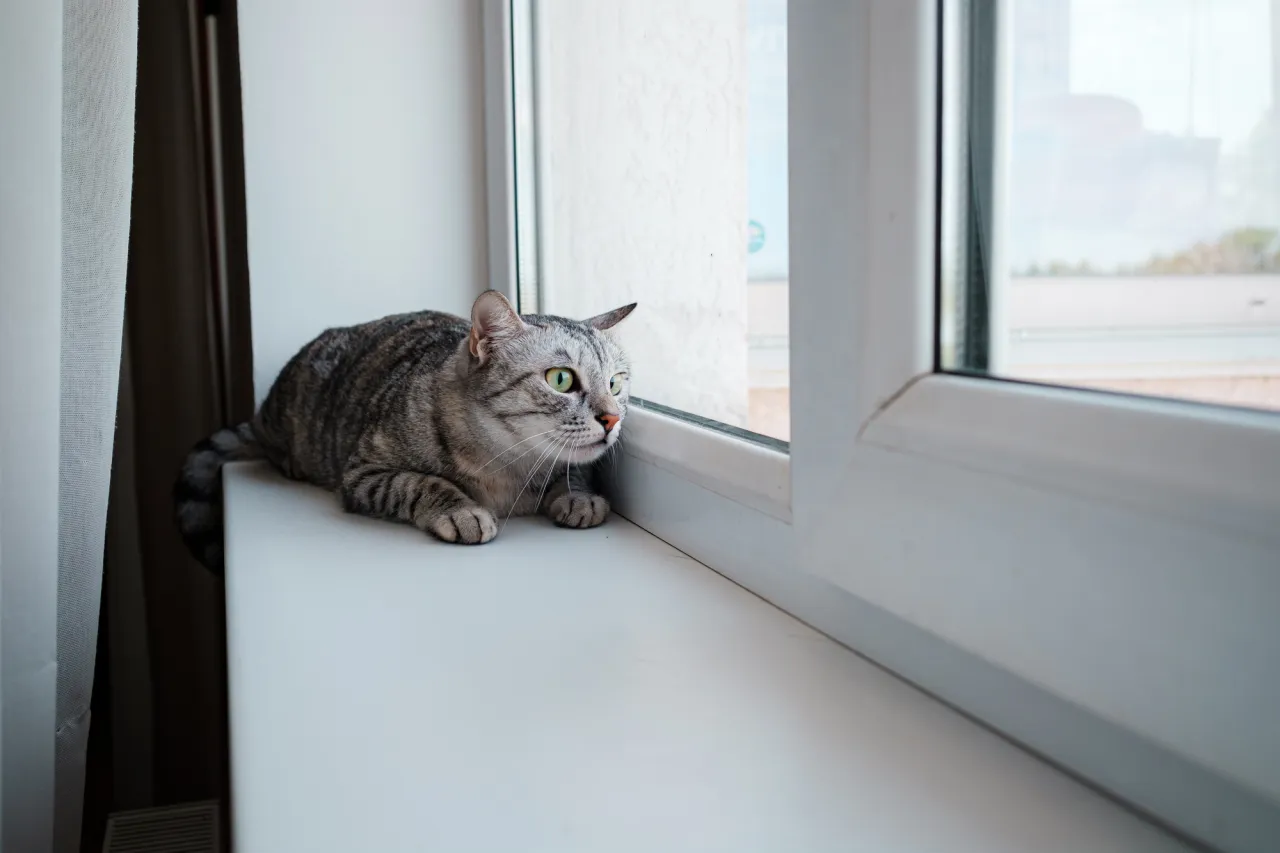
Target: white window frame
{"x": 1096, "y": 576}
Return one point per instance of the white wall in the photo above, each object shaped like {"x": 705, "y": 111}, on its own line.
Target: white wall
{"x": 30, "y": 343}
{"x": 364, "y": 164}
{"x": 642, "y": 134}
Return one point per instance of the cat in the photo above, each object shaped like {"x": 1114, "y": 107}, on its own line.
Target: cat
{"x": 428, "y": 419}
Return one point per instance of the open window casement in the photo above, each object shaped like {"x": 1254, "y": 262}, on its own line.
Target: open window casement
{"x": 1095, "y": 575}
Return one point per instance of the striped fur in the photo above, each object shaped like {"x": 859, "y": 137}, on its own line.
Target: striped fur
{"x": 197, "y": 495}
{"x": 434, "y": 421}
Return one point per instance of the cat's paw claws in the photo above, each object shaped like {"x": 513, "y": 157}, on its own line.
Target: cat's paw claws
{"x": 472, "y": 525}
{"x": 579, "y": 510}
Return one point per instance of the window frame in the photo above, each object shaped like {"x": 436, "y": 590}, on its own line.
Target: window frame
{"x": 1090, "y": 645}
{"x": 755, "y": 473}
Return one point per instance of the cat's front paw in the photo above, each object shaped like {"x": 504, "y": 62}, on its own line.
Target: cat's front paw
{"x": 467, "y": 525}
{"x": 579, "y": 510}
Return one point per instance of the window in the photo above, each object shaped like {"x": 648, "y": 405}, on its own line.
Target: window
{"x": 651, "y": 166}
{"x": 1122, "y": 178}
{"x": 1093, "y": 574}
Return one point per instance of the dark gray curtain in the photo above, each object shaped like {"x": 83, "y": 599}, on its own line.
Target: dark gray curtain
{"x": 186, "y": 371}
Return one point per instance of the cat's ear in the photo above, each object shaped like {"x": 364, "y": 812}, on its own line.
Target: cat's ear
{"x": 609, "y": 319}
{"x": 493, "y": 321}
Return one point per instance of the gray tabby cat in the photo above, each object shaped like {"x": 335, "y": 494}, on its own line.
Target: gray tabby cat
{"x": 427, "y": 419}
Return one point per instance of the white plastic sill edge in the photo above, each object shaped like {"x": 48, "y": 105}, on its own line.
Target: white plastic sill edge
{"x": 584, "y": 690}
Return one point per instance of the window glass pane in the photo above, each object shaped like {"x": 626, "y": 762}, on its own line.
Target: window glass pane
{"x": 1112, "y": 195}
{"x": 651, "y": 160}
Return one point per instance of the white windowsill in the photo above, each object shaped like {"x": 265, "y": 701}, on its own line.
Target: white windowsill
{"x": 584, "y": 691}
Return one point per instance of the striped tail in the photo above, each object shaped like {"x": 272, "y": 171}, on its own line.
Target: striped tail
{"x": 197, "y": 495}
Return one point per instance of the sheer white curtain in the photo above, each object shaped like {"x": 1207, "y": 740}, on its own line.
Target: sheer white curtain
{"x": 99, "y": 67}
{"x": 67, "y": 79}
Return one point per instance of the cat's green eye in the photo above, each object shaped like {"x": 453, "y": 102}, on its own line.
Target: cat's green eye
{"x": 615, "y": 383}
{"x": 561, "y": 379}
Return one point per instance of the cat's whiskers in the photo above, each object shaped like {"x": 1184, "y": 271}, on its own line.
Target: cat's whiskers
{"x": 551, "y": 473}
{"x": 541, "y": 445}
{"x": 613, "y": 454}
{"x": 511, "y": 448}
{"x": 529, "y": 480}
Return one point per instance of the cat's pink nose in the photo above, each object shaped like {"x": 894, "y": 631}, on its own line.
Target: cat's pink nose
{"x": 608, "y": 421}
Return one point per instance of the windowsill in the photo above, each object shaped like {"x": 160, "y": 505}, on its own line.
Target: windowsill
{"x": 584, "y": 691}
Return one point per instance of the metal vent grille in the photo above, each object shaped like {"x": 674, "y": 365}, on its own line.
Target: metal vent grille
{"x": 191, "y": 828}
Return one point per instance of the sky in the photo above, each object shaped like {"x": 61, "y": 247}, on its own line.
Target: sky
{"x": 1086, "y": 188}
{"x": 1199, "y": 67}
